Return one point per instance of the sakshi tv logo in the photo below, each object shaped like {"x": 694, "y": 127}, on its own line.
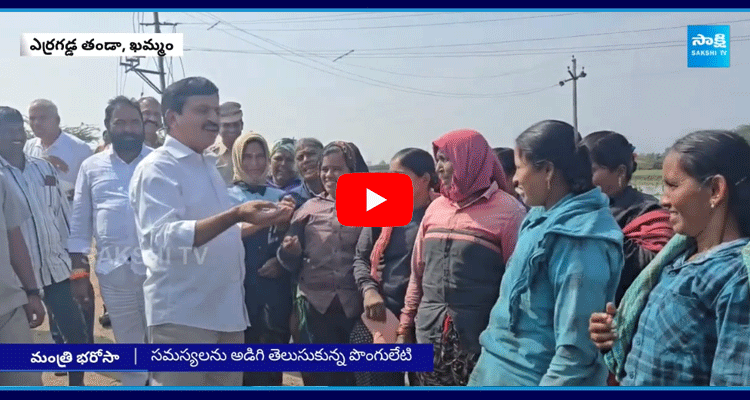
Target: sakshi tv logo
{"x": 708, "y": 46}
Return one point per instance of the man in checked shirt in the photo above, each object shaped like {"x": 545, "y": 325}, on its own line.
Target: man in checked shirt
{"x": 36, "y": 183}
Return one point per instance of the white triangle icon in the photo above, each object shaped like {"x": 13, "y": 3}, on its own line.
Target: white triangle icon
{"x": 373, "y": 200}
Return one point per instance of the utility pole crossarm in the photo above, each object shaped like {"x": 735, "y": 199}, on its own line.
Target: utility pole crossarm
{"x": 574, "y": 77}
{"x": 131, "y": 63}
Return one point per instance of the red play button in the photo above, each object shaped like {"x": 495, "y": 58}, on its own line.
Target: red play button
{"x": 374, "y": 199}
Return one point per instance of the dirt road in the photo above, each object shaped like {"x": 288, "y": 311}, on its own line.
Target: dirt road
{"x": 104, "y": 335}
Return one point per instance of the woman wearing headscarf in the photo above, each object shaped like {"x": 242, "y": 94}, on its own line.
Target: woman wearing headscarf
{"x": 268, "y": 294}
{"x": 282, "y": 175}
{"x": 462, "y": 246}
{"x": 382, "y": 263}
{"x": 642, "y": 219}
{"x": 684, "y": 321}
{"x": 307, "y": 160}
{"x": 565, "y": 266}
{"x": 321, "y": 251}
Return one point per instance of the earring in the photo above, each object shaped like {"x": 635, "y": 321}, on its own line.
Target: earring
{"x": 713, "y": 205}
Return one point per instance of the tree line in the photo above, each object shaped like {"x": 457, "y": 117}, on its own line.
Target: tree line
{"x": 655, "y": 160}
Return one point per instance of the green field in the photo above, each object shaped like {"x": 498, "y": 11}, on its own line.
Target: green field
{"x": 649, "y": 174}
{"x": 647, "y": 177}
{"x": 648, "y": 181}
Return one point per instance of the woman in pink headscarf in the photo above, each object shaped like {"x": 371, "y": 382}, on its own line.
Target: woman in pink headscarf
{"x": 463, "y": 243}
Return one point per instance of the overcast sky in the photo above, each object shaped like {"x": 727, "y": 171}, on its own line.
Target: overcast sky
{"x": 412, "y": 76}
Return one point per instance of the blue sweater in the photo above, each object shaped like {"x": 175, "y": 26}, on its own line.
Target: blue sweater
{"x": 566, "y": 265}
{"x": 268, "y": 301}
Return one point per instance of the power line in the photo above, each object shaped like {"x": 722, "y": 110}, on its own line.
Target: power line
{"x": 423, "y": 91}
{"x": 402, "y": 26}
{"x": 286, "y": 19}
{"x": 291, "y": 52}
{"x": 508, "y": 73}
{"x": 533, "y": 52}
{"x": 371, "y": 53}
{"x": 323, "y": 18}
{"x": 361, "y": 54}
{"x": 537, "y": 39}
{"x": 183, "y": 68}
{"x": 534, "y": 49}
{"x": 374, "y": 82}
{"x": 388, "y": 86}
{"x": 288, "y": 59}
{"x": 493, "y": 53}
{"x": 501, "y": 54}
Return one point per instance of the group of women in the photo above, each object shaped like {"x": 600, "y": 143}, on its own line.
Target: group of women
{"x": 547, "y": 270}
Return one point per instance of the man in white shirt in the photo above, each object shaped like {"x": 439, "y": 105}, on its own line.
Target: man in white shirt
{"x": 190, "y": 234}
{"x": 46, "y": 232}
{"x": 101, "y": 209}
{"x": 65, "y": 151}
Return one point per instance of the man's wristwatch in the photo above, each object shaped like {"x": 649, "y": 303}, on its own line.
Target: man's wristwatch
{"x": 32, "y": 292}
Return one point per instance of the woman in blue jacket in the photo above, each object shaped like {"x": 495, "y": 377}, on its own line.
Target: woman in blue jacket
{"x": 566, "y": 264}
{"x": 268, "y": 293}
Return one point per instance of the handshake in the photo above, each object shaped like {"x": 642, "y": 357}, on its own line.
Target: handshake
{"x": 263, "y": 213}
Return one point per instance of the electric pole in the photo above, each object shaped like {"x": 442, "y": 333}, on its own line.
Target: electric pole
{"x": 162, "y": 78}
{"x": 131, "y": 64}
{"x": 574, "y": 77}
